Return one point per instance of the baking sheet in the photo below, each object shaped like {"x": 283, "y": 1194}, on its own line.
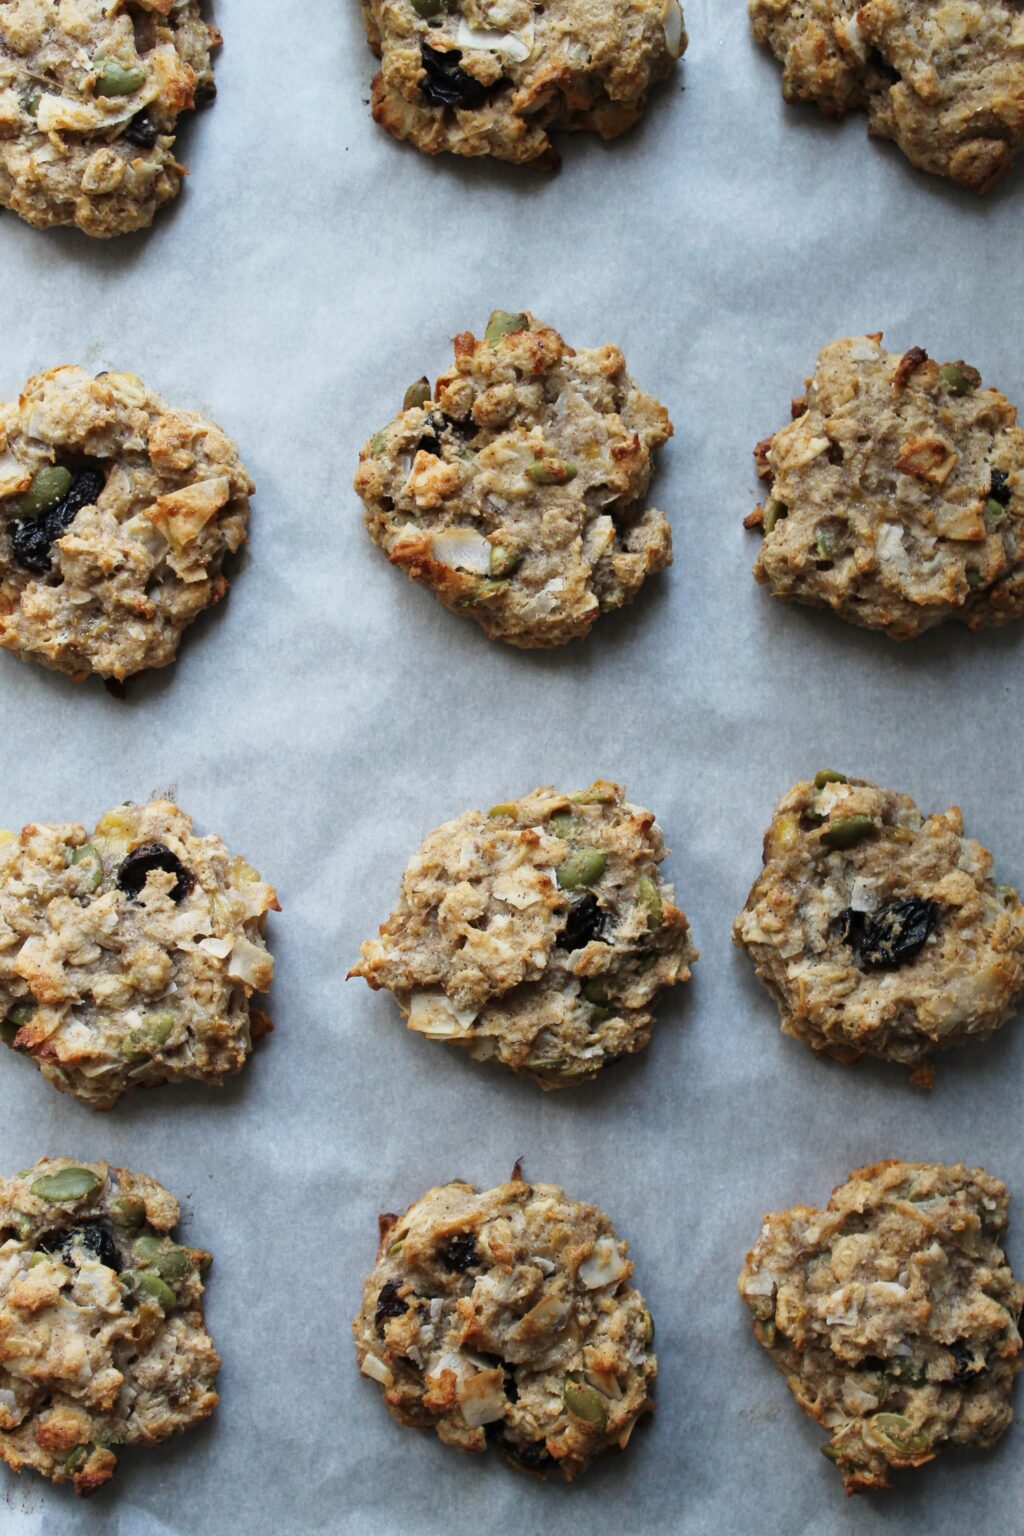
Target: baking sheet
{"x": 330, "y": 714}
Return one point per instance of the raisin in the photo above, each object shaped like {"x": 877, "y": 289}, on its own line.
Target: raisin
{"x": 850, "y": 927}
{"x": 33, "y": 536}
{"x": 134, "y": 870}
{"x": 389, "y": 1304}
{"x": 584, "y": 923}
{"x": 447, "y": 85}
{"x": 1000, "y": 487}
{"x": 963, "y": 1360}
{"x": 892, "y": 935}
{"x": 437, "y": 423}
{"x": 529, "y": 1454}
{"x": 141, "y": 130}
{"x": 459, "y": 1253}
{"x": 95, "y": 1239}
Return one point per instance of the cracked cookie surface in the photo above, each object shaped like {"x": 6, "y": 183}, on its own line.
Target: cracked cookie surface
{"x": 539, "y": 934}
{"x": 944, "y": 79}
{"x": 497, "y": 77}
{"x": 896, "y": 494}
{"x": 128, "y": 956}
{"x": 102, "y": 1336}
{"x": 880, "y": 931}
{"x": 893, "y": 1315}
{"x": 117, "y": 512}
{"x": 90, "y": 96}
{"x": 514, "y": 489}
{"x": 506, "y": 1318}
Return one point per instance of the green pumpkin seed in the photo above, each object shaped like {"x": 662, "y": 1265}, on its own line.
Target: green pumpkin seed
{"x": 895, "y": 1429}
{"x": 562, "y": 824}
{"x": 546, "y": 1063}
{"x": 974, "y": 578}
{"x": 597, "y": 794}
{"x": 581, "y": 868}
{"x": 129, "y": 1211}
{"x": 378, "y": 444}
{"x": 829, "y": 776}
{"x": 586, "y": 1404}
{"x": 596, "y": 992}
{"x": 647, "y": 1333}
{"x": 77, "y": 1458}
{"x": 503, "y": 808}
{"x": 145, "y": 1283}
{"x": 87, "y": 860}
{"x": 995, "y": 512}
{"x": 825, "y": 546}
{"x": 49, "y": 485}
{"x": 774, "y": 512}
{"x": 116, "y": 79}
{"x": 38, "y": 1258}
{"x": 650, "y": 900}
{"x": 765, "y": 1332}
{"x": 551, "y": 472}
{"x": 67, "y": 1184}
{"x": 955, "y": 378}
{"x": 847, "y": 831}
{"x": 504, "y": 323}
{"x": 481, "y": 592}
{"x": 599, "y": 1015}
{"x": 156, "y": 1028}
{"x": 417, "y": 394}
{"x": 505, "y": 562}
{"x": 168, "y": 1260}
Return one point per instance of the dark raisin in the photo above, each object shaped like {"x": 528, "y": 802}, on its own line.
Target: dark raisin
{"x": 1000, "y": 487}
{"x": 97, "y": 1240}
{"x": 584, "y": 923}
{"x": 445, "y": 84}
{"x": 459, "y": 1252}
{"x": 134, "y": 870}
{"x": 897, "y": 933}
{"x": 963, "y": 1360}
{"x": 389, "y": 1304}
{"x": 436, "y": 424}
{"x": 529, "y": 1454}
{"x": 850, "y": 927}
{"x": 33, "y": 536}
{"x": 141, "y": 130}
{"x": 204, "y": 93}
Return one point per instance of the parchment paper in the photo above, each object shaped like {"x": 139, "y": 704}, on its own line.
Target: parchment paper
{"x": 331, "y": 714}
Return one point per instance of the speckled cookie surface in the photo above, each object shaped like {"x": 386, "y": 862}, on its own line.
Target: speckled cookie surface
{"x": 539, "y": 934}
{"x": 893, "y": 1315}
{"x": 117, "y": 512}
{"x": 128, "y": 956}
{"x": 90, "y": 96}
{"x": 896, "y": 494}
{"x": 497, "y": 77}
{"x": 506, "y": 1318}
{"x": 102, "y": 1337}
{"x": 880, "y": 931}
{"x": 944, "y": 79}
{"x": 514, "y": 488}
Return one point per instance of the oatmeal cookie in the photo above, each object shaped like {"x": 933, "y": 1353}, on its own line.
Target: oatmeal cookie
{"x": 117, "y": 512}
{"x": 102, "y": 1338}
{"x": 896, "y": 494}
{"x": 944, "y": 79}
{"x": 90, "y": 95}
{"x": 540, "y": 934}
{"x": 880, "y": 931}
{"x": 506, "y": 1318}
{"x": 514, "y": 488}
{"x": 893, "y": 1315}
{"x": 128, "y": 957}
{"x": 497, "y": 77}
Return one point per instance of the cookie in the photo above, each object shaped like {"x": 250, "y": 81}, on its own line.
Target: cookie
{"x": 893, "y": 1315}
{"x": 539, "y": 934}
{"x": 506, "y": 1318}
{"x": 880, "y": 931}
{"x": 128, "y": 956}
{"x": 944, "y": 79}
{"x": 513, "y": 489}
{"x": 896, "y": 495}
{"x": 90, "y": 96}
{"x": 498, "y": 77}
{"x": 102, "y": 1337}
{"x": 117, "y": 512}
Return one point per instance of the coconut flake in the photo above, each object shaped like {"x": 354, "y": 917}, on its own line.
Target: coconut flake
{"x": 482, "y": 1398}
{"x": 516, "y": 46}
{"x": 763, "y": 1283}
{"x": 464, "y": 549}
{"x": 220, "y": 948}
{"x": 250, "y": 964}
{"x": 432, "y": 1013}
{"x": 13, "y": 476}
{"x": 604, "y": 1266}
{"x": 376, "y": 1370}
{"x": 672, "y": 21}
{"x": 863, "y": 896}
{"x": 865, "y": 350}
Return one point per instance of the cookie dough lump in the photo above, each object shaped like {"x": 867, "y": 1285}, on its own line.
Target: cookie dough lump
{"x": 540, "y": 934}
{"x": 893, "y": 1315}
{"x": 506, "y": 1318}
{"x": 880, "y": 931}
{"x": 102, "y": 1338}
{"x": 90, "y": 95}
{"x": 128, "y": 956}
{"x": 896, "y": 496}
{"x": 117, "y": 512}
{"x": 496, "y": 77}
{"x": 944, "y": 79}
{"x": 514, "y": 489}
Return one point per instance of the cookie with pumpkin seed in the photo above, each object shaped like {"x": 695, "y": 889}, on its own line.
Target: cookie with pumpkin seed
{"x": 896, "y": 495}
{"x": 893, "y": 1315}
{"x": 514, "y": 487}
{"x": 128, "y": 956}
{"x": 103, "y": 1342}
{"x": 506, "y": 1318}
{"x": 880, "y": 931}
{"x": 539, "y": 934}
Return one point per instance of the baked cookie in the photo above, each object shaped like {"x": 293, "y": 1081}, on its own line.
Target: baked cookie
{"x": 896, "y": 494}
{"x": 879, "y": 931}
{"x": 116, "y": 514}
{"x": 514, "y": 488}
{"x": 893, "y": 1315}
{"x": 539, "y": 934}
{"x": 90, "y": 95}
{"x": 497, "y": 77}
{"x": 102, "y": 1338}
{"x": 944, "y": 79}
{"x": 128, "y": 956}
{"x": 506, "y": 1318}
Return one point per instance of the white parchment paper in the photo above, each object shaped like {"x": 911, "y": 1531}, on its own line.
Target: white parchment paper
{"x": 330, "y": 714}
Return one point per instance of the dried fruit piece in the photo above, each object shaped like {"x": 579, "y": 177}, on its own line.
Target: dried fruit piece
{"x": 583, "y": 924}
{"x": 141, "y": 862}
{"x": 33, "y": 537}
{"x": 446, "y": 84}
